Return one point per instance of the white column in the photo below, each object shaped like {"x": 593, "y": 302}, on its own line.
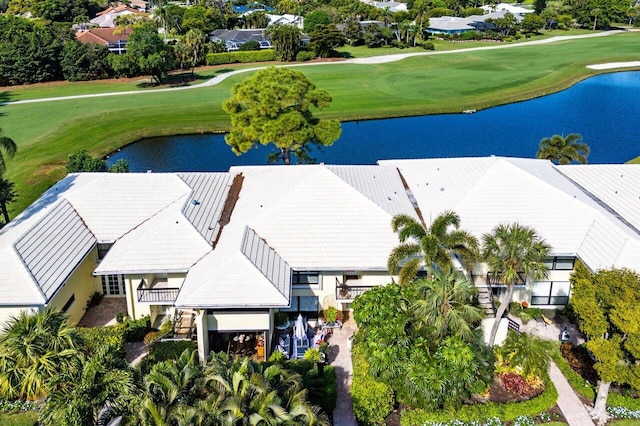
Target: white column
{"x": 202, "y": 333}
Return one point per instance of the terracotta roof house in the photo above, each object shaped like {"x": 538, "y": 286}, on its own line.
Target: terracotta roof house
{"x": 228, "y": 250}
{"x": 114, "y": 39}
{"x": 107, "y": 17}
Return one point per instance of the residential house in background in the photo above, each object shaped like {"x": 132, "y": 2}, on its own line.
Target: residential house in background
{"x": 449, "y": 25}
{"x": 114, "y": 38}
{"x": 228, "y": 250}
{"x": 233, "y": 39}
{"x": 107, "y": 17}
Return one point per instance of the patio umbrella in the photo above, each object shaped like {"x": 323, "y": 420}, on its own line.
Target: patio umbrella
{"x": 300, "y": 329}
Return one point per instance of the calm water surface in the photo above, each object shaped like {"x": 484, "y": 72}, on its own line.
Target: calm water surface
{"x": 604, "y": 109}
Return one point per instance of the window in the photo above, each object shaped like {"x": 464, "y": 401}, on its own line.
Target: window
{"x": 305, "y": 278}
{"x": 306, "y": 305}
{"x": 69, "y": 303}
{"x": 550, "y": 293}
{"x": 112, "y": 285}
{"x": 560, "y": 263}
{"x": 350, "y": 276}
{"x": 102, "y": 250}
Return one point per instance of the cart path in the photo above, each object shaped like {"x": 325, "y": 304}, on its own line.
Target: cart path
{"x": 363, "y": 61}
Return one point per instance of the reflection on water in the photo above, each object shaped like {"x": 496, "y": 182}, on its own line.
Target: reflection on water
{"x": 604, "y": 109}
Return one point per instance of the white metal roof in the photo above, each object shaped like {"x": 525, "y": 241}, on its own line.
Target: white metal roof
{"x": 323, "y": 223}
{"x": 312, "y": 217}
{"x": 380, "y": 184}
{"x": 114, "y": 203}
{"x": 268, "y": 261}
{"x": 616, "y": 186}
{"x": 204, "y": 206}
{"x": 167, "y": 242}
{"x": 491, "y": 190}
{"x": 53, "y": 248}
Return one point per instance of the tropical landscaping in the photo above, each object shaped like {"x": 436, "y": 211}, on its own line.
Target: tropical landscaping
{"x": 61, "y": 374}
{"x": 419, "y": 355}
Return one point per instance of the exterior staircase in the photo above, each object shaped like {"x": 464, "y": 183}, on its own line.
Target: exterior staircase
{"x": 486, "y": 300}
{"x": 184, "y": 326}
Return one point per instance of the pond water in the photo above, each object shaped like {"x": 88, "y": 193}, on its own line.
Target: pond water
{"x": 604, "y": 109}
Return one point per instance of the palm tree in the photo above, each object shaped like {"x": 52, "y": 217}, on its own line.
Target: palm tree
{"x": 595, "y": 13}
{"x": 246, "y": 393}
{"x": 429, "y": 246}
{"x": 563, "y": 150}
{"x": 91, "y": 395}
{"x": 632, "y": 13}
{"x": 169, "y": 390}
{"x": 7, "y": 195}
{"x": 515, "y": 253}
{"x": 9, "y": 147}
{"x": 34, "y": 348}
{"x": 445, "y": 305}
{"x": 529, "y": 352}
{"x": 195, "y": 39}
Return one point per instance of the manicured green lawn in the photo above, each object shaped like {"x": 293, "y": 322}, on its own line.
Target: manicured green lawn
{"x": 27, "y": 418}
{"x": 66, "y": 88}
{"x": 625, "y": 422}
{"x": 48, "y": 132}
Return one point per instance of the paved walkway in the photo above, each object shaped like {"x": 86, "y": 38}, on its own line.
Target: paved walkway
{"x": 105, "y": 313}
{"x": 572, "y": 408}
{"x": 340, "y": 358}
{"x": 370, "y": 60}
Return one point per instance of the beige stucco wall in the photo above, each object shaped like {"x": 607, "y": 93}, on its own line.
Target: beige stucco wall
{"x": 238, "y": 321}
{"x": 153, "y": 310}
{"x": 82, "y": 284}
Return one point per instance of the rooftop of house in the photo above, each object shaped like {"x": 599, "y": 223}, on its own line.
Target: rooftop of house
{"x": 106, "y": 18}
{"x": 237, "y": 235}
{"x": 102, "y": 36}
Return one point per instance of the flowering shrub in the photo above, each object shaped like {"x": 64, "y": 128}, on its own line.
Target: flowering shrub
{"x": 623, "y": 413}
{"x": 516, "y": 385}
{"x": 544, "y": 417}
{"x": 524, "y": 421}
{"x": 17, "y": 405}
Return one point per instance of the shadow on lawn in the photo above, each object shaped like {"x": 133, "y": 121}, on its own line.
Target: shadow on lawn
{"x": 185, "y": 78}
{"x": 5, "y": 98}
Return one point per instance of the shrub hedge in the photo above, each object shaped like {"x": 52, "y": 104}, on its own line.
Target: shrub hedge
{"x": 303, "y": 56}
{"x": 241, "y": 57}
{"x": 135, "y": 330}
{"x": 372, "y": 400}
{"x": 97, "y": 337}
{"x": 481, "y": 412}
{"x": 330, "y": 394}
{"x": 172, "y": 349}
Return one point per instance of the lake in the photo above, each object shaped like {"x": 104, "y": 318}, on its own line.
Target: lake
{"x": 604, "y": 109}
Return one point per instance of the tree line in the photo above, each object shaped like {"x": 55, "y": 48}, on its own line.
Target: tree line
{"x": 44, "y": 48}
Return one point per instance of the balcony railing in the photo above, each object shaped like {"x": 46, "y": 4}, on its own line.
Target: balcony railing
{"x": 350, "y": 292}
{"x": 496, "y": 279}
{"x": 157, "y": 295}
